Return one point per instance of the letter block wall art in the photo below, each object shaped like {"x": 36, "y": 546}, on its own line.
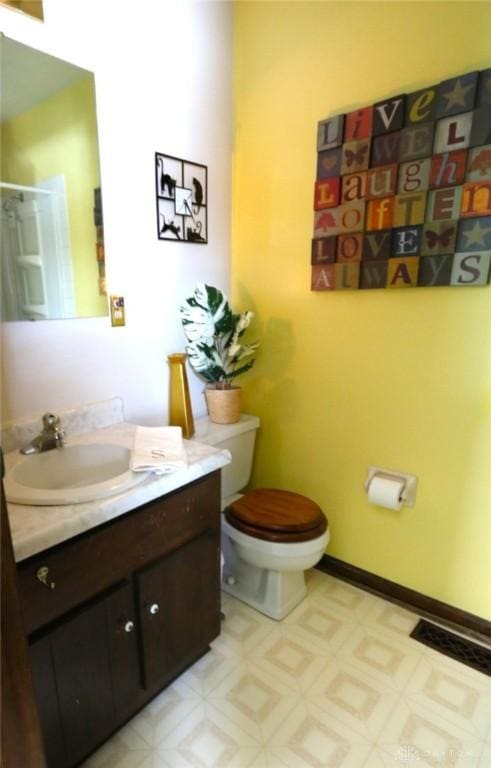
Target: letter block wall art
{"x": 402, "y": 197}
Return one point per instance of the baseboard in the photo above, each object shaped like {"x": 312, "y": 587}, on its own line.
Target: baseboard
{"x": 456, "y": 618}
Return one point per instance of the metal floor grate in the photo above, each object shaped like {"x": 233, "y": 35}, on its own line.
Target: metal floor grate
{"x": 459, "y": 648}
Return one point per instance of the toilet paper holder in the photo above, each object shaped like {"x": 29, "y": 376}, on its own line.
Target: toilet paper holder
{"x": 410, "y": 482}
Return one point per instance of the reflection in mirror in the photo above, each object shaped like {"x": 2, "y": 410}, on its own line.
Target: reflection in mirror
{"x": 52, "y": 251}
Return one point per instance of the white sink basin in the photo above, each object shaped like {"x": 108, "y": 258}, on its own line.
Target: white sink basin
{"x": 71, "y": 475}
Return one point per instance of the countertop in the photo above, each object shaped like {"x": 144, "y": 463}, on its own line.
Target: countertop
{"x": 35, "y": 529}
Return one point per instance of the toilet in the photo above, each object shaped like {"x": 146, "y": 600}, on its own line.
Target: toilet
{"x": 270, "y": 537}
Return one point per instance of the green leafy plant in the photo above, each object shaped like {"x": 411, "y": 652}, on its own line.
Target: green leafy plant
{"x": 214, "y": 334}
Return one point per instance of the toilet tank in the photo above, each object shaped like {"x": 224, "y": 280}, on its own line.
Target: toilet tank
{"x": 239, "y": 439}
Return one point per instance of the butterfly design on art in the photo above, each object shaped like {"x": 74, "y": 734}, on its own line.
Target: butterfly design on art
{"x": 482, "y": 162}
{"x": 435, "y": 240}
{"x": 355, "y": 157}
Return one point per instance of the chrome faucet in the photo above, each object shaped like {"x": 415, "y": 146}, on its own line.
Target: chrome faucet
{"x": 51, "y": 436}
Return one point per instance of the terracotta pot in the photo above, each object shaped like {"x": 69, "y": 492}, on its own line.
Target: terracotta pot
{"x": 223, "y": 404}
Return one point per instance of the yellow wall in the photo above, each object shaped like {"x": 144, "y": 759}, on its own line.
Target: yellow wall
{"x": 60, "y": 136}
{"x": 344, "y": 380}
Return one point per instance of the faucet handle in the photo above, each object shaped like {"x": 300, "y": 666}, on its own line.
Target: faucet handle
{"x": 51, "y": 436}
{"x": 51, "y": 423}
{"x": 52, "y": 428}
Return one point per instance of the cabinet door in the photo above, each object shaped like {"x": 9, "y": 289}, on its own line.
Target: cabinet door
{"x": 123, "y": 647}
{"x": 86, "y": 671}
{"x": 179, "y": 607}
{"x": 43, "y": 676}
{"x": 83, "y": 678}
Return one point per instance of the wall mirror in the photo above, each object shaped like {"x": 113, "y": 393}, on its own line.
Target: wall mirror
{"x": 52, "y": 237}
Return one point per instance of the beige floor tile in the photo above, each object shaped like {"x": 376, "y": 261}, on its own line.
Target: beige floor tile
{"x": 227, "y": 600}
{"x": 242, "y": 630}
{"x": 266, "y": 759}
{"x": 485, "y": 757}
{"x": 255, "y": 700}
{"x": 380, "y": 759}
{"x": 125, "y": 742}
{"x": 208, "y": 738}
{"x": 358, "y": 700}
{"x": 390, "y": 659}
{"x": 153, "y": 760}
{"x": 476, "y": 679}
{"x": 204, "y": 756}
{"x": 409, "y": 756}
{"x": 111, "y": 756}
{"x": 208, "y": 672}
{"x": 164, "y": 712}
{"x": 415, "y": 734}
{"x": 323, "y": 624}
{"x": 291, "y": 657}
{"x": 352, "y": 602}
{"x": 311, "y": 738}
{"x": 314, "y": 577}
{"x": 387, "y": 617}
{"x": 448, "y": 690}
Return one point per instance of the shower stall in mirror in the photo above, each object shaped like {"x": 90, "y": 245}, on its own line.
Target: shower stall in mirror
{"x": 51, "y": 229}
{"x": 36, "y": 266}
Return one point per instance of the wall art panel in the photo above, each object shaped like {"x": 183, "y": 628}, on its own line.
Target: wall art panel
{"x": 402, "y": 196}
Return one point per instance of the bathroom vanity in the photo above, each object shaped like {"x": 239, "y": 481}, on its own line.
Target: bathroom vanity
{"x": 120, "y": 612}
{"x": 117, "y": 610}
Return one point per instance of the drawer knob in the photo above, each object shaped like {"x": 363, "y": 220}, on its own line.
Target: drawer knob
{"x": 129, "y": 626}
{"x": 42, "y": 576}
{"x": 153, "y": 608}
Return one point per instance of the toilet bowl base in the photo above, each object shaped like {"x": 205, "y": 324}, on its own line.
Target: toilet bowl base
{"x": 273, "y": 593}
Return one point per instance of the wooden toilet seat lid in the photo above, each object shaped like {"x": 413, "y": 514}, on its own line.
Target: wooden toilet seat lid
{"x": 270, "y": 509}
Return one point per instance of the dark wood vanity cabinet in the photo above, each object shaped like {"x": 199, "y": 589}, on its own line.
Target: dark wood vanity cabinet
{"x": 98, "y": 658}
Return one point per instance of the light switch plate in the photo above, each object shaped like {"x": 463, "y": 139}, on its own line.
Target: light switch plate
{"x": 116, "y": 305}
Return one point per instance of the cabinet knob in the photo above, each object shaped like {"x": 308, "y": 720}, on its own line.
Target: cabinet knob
{"x": 153, "y": 608}
{"x": 42, "y": 576}
{"x": 129, "y": 626}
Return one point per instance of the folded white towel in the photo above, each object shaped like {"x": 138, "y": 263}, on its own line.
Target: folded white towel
{"x": 158, "y": 449}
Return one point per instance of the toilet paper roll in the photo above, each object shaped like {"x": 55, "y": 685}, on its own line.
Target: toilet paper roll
{"x": 386, "y": 492}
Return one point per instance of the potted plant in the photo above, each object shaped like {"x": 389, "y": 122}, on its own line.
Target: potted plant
{"x": 215, "y": 349}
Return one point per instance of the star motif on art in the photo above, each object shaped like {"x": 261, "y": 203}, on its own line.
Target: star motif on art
{"x": 456, "y": 97}
{"x": 476, "y": 235}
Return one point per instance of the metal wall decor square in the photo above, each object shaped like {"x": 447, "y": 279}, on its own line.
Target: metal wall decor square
{"x": 181, "y": 189}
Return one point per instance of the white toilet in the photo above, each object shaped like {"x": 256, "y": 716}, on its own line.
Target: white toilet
{"x": 269, "y": 537}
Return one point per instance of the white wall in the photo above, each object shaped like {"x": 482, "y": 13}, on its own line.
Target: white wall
{"x": 163, "y": 83}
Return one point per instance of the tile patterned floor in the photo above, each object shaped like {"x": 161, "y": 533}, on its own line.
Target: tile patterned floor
{"x": 337, "y": 684}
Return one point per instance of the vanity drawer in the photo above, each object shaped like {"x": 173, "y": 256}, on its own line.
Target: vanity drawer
{"x": 82, "y": 567}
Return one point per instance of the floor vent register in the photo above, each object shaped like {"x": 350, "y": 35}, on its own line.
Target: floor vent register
{"x": 476, "y": 656}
